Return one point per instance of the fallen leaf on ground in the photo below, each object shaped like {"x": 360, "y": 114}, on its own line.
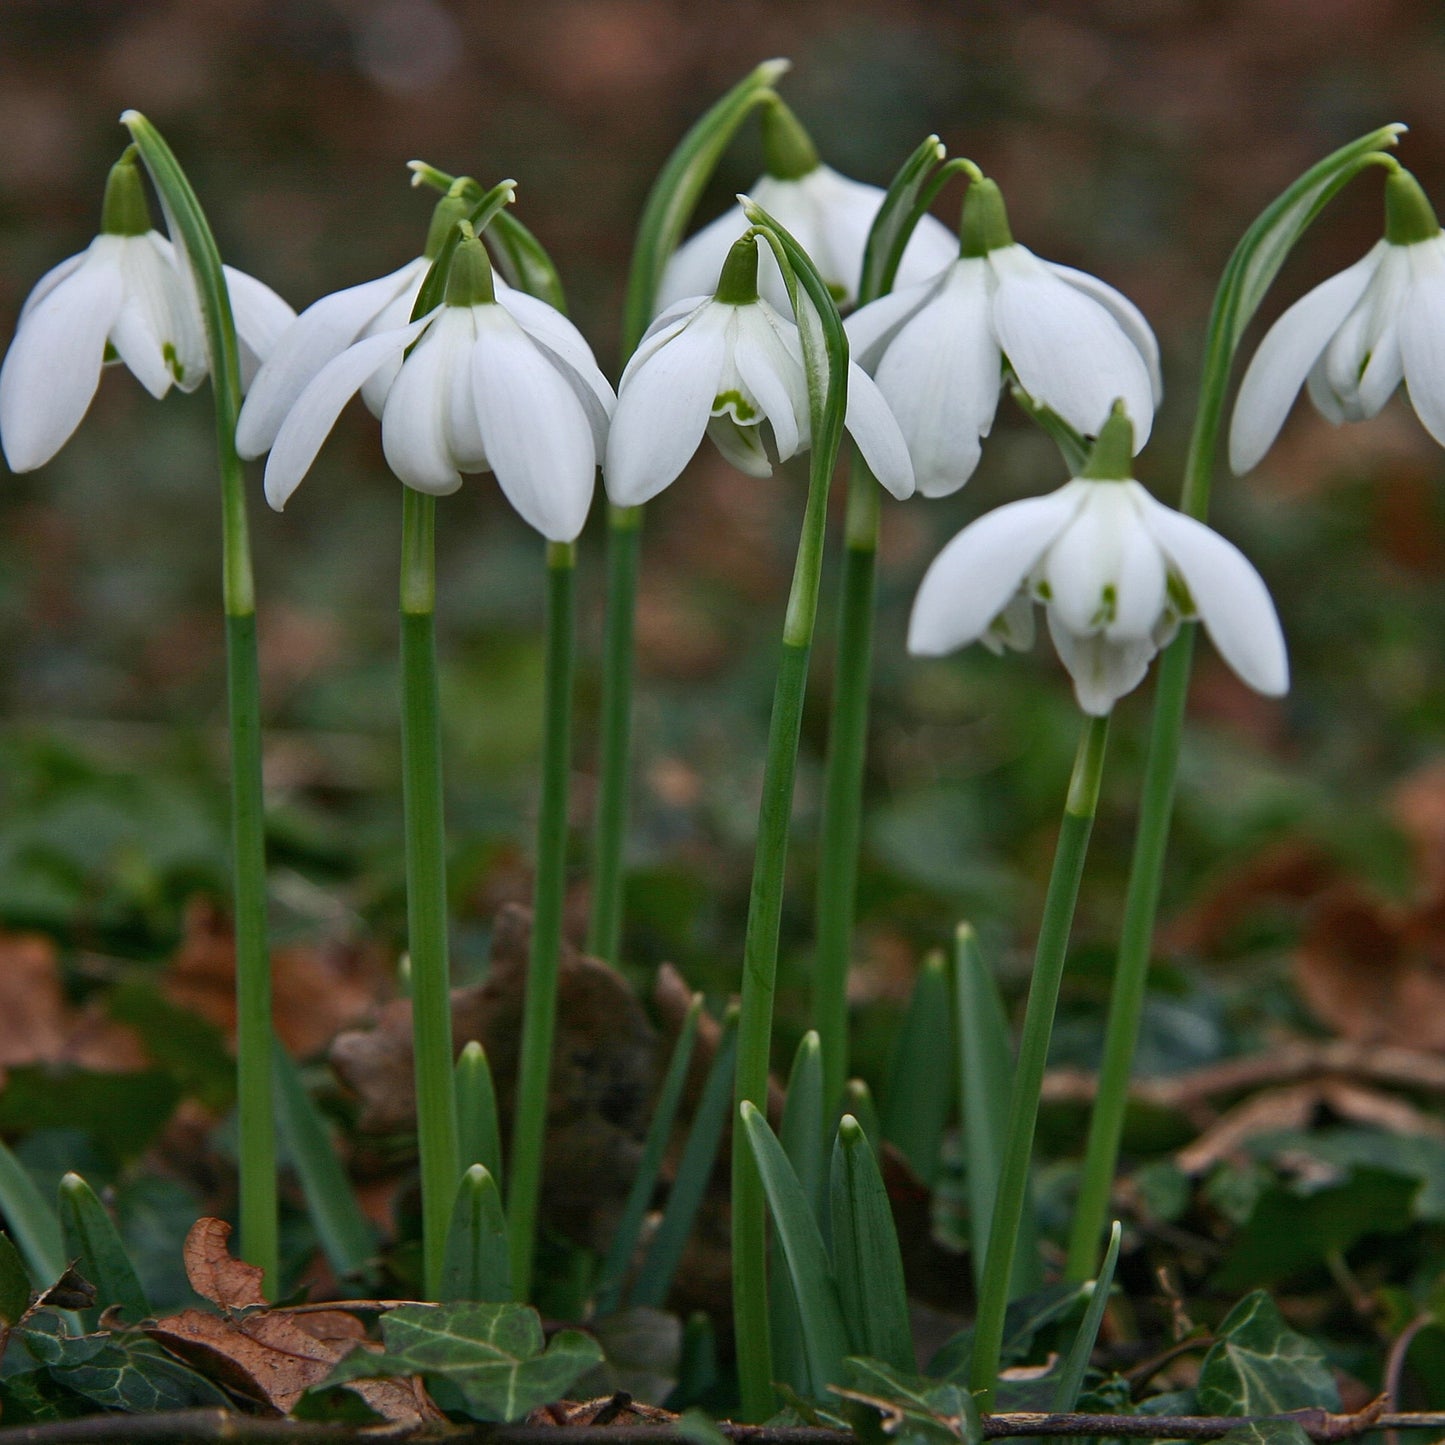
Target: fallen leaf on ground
{"x": 214, "y": 1273}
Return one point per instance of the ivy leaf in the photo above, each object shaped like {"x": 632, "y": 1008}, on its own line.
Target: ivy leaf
{"x": 137, "y": 1378}
{"x": 492, "y": 1356}
{"x": 885, "y": 1404}
{"x": 1267, "y": 1432}
{"x": 1259, "y": 1366}
{"x": 1024, "y": 1319}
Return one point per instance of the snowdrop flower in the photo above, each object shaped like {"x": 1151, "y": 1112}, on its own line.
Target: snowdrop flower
{"x": 937, "y": 350}
{"x": 1116, "y": 571}
{"x": 512, "y": 390}
{"x": 328, "y": 326}
{"x": 1354, "y": 339}
{"x": 731, "y": 365}
{"x": 827, "y": 213}
{"x": 126, "y": 297}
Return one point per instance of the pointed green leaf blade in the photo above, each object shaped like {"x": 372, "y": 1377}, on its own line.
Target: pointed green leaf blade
{"x": 476, "y": 1264}
{"x": 866, "y": 1256}
{"x": 479, "y": 1135}
{"x": 524, "y": 261}
{"x": 93, "y": 1242}
{"x": 1071, "y": 1381}
{"x": 897, "y": 216}
{"x": 14, "y": 1283}
{"x": 919, "y": 1092}
{"x": 31, "y": 1221}
{"x": 825, "y": 1340}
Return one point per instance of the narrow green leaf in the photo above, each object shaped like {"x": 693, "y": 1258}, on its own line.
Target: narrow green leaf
{"x": 14, "y": 1283}
{"x": 1023, "y": 1320}
{"x": 343, "y": 1230}
{"x": 675, "y": 193}
{"x": 476, "y": 1265}
{"x": 1072, "y": 447}
{"x": 694, "y": 1170}
{"x": 93, "y": 1242}
{"x": 31, "y": 1221}
{"x": 897, "y": 216}
{"x": 919, "y": 1092}
{"x": 803, "y": 1132}
{"x": 697, "y": 1366}
{"x": 932, "y": 1412}
{"x": 1071, "y": 1381}
{"x": 488, "y": 207}
{"x": 858, "y": 1101}
{"x": 479, "y": 1135}
{"x": 866, "y": 1256}
{"x": 644, "y": 1183}
{"x": 1259, "y": 1366}
{"x": 524, "y": 261}
{"x": 825, "y": 1339}
{"x": 985, "y": 1072}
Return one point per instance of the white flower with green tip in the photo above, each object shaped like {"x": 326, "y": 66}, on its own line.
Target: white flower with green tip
{"x": 124, "y": 298}
{"x": 479, "y": 387}
{"x": 1354, "y": 338}
{"x": 730, "y": 365}
{"x": 938, "y": 350}
{"x": 1116, "y": 572}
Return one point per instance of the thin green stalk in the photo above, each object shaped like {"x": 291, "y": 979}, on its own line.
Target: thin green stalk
{"x": 840, "y": 824}
{"x": 624, "y": 534}
{"x": 426, "y": 883}
{"x": 1247, "y": 276}
{"x": 257, "y": 1126}
{"x": 539, "y": 1010}
{"x": 1038, "y": 1026}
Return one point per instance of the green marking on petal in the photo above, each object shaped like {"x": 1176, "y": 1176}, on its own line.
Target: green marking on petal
{"x": 173, "y": 361}
{"x": 743, "y": 411}
{"x": 1043, "y": 591}
{"x": 1179, "y": 596}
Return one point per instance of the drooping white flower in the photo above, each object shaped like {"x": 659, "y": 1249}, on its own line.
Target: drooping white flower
{"x": 731, "y": 365}
{"x": 1355, "y": 337}
{"x": 826, "y": 213}
{"x": 124, "y": 298}
{"x": 512, "y": 390}
{"x": 328, "y": 326}
{"x": 1116, "y": 572}
{"x": 938, "y": 350}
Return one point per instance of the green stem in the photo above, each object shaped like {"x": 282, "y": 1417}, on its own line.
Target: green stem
{"x": 539, "y": 1010}
{"x": 760, "y": 958}
{"x": 1038, "y": 1026}
{"x": 624, "y": 533}
{"x": 843, "y": 780}
{"x": 426, "y": 882}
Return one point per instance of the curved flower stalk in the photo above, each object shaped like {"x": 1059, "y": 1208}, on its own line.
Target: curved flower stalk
{"x": 124, "y": 298}
{"x": 1116, "y": 571}
{"x": 1353, "y": 339}
{"x": 512, "y": 389}
{"x": 938, "y": 350}
{"x": 731, "y": 365}
{"x": 828, "y": 214}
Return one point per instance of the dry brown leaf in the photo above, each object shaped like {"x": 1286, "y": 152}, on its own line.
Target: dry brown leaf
{"x": 214, "y": 1273}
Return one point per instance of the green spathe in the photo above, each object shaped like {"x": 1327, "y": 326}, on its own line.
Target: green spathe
{"x": 737, "y": 285}
{"x": 124, "y": 211}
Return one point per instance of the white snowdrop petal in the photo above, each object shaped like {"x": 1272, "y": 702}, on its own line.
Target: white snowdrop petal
{"x": 762, "y": 363}
{"x": 1140, "y": 580}
{"x": 663, "y": 408}
{"x": 940, "y": 377}
{"x": 549, "y": 328}
{"x": 930, "y": 248}
{"x": 139, "y": 343}
{"x": 1383, "y": 373}
{"x": 977, "y": 574}
{"x": 323, "y": 330}
{"x": 872, "y": 327}
{"x": 261, "y": 316}
{"x": 1126, "y": 313}
{"x": 53, "y": 366}
{"x": 693, "y": 269}
{"x": 309, "y": 422}
{"x": 49, "y": 281}
{"x": 1067, "y": 351}
{"x": 875, "y": 429}
{"x": 414, "y": 421}
{"x": 1422, "y": 346}
{"x": 536, "y": 434}
{"x": 1102, "y": 671}
{"x": 1229, "y": 595}
{"x": 741, "y": 446}
{"x": 1084, "y": 561}
{"x": 1290, "y": 349}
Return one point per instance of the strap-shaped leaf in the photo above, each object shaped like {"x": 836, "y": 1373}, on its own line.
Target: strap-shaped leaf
{"x": 659, "y": 1131}
{"x": 825, "y": 1338}
{"x": 476, "y": 1263}
{"x": 92, "y": 1240}
{"x": 479, "y": 1135}
{"x": 866, "y": 1257}
{"x": 31, "y": 1222}
{"x": 918, "y": 1094}
{"x": 343, "y": 1230}
{"x": 1071, "y": 1381}
{"x": 804, "y": 1132}
{"x": 893, "y": 226}
{"x": 675, "y": 192}
{"x": 524, "y": 261}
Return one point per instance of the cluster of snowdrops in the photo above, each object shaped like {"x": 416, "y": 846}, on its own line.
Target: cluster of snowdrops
{"x": 817, "y": 305}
